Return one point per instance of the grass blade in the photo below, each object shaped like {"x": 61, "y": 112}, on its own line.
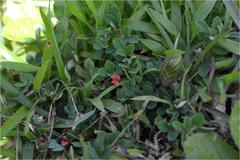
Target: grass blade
{"x": 5, "y": 84}
{"x": 84, "y": 117}
{"x": 182, "y": 91}
{"x": 47, "y": 56}
{"x": 233, "y": 9}
{"x": 161, "y": 30}
{"x": 57, "y": 54}
{"x": 93, "y": 9}
{"x": 165, "y": 22}
{"x": 21, "y": 98}
{"x": 151, "y": 98}
{"x": 75, "y": 9}
{"x": 13, "y": 121}
{"x": 9, "y": 55}
{"x": 27, "y": 121}
{"x": 200, "y": 57}
{"x": 8, "y": 152}
{"x": 38, "y": 79}
{"x": 21, "y": 67}
{"x": 102, "y": 9}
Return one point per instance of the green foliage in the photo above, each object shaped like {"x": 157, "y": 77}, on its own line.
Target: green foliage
{"x": 21, "y": 67}
{"x": 119, "y": 79}
{"x": 40, "y": 76}
{"x": 208, "y": 146}
{"x": 51, "y": 36}
{"x": 12, "y": 122}
{"x": 234, "y": 124}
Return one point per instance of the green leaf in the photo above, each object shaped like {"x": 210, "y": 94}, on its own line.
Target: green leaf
{"x": 47, "y": 56}
{"x": 87, "y": 88}
{"x": 10, "y": 153}
{"x": 93, "y": 9}
{"x": 172, "y": 135}
{"x": 8, "y": 55}
{"x": 126, "y": 51}
{"x": 200, "y": 14}
{"x": 232, "y": 77}
{"x": 113, "y": 106}
{"x": 187, "y": 123}
{"x": 97, "y": 103}
{"x": 177, "y": 125}
{"x": 203, "y": 10}
{"x": 102, "y": 10}
{"x": 165, "y": 22}
{"x": 130, "y": 49}
{"x": 28, "y": 150}
{"x": 53, "y": 144}
{"x": 27, "y": 121}
{"x": 5, "y": 84}
{"x": 13, "y": 121}
{"x": 154, "y": 46}
{"x": 151, "y": 98}
{"x": 21, "y": 67}
{"x": 198, "y": 119}
{"x": 51, "y": 36}
{"x": 225, "y": 63}
{"x": 234, "y": 123}
{"x": 117, "y": 43}
{"x": 230, "y": 45}
{"x": 208, "y": 146}
{"x": 202, "y": 54}
{"x": 76, "y": 10}
{"x": 182, "y": 90}
{"x": 161, "y": 124}
{"x": 38, "y": 79}
{"x": 137, "y": 15}
{"x": 114, "y": 16}
{"x": 204, "y": 95}
{"x": 176, "y": 15}
{"x": 88, "y": 64}
{"x": 109, "y": 66}
{"x": 106, "y": 91}
{"x": 173, "y": 52}
{"x": 233, "y": 9}
{"x": 154, "y": 18}
{"x": 141, "y": 26}
{"x": 83, "y": 117}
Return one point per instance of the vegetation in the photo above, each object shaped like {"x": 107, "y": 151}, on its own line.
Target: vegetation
{"x": 120, "y": 79}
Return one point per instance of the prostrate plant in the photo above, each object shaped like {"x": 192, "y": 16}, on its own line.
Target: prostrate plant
{"x": 122, "y": 80}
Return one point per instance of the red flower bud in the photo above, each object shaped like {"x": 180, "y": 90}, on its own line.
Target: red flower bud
{"x": 115, "y": 79}
{"x": 64, "y": 141}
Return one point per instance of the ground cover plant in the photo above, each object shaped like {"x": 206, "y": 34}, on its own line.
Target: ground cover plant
{"x": 119, "y": 79}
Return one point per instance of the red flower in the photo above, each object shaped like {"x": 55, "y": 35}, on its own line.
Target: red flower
{"x": 64, "y": 141}
{"x": 115, "y": 79}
